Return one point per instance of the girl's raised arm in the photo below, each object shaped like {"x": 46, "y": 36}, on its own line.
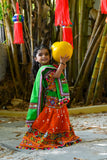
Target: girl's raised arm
{"x": 62, "y": 66}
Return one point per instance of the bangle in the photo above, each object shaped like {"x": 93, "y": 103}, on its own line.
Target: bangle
{"x": 62, "y": 63}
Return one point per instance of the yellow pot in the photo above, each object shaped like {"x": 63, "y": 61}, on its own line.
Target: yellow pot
{"x": 61, "y": 49}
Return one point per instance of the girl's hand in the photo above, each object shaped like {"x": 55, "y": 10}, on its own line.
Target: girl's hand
{"x": 64, "y": 59}
{"x": 62, "y": 66}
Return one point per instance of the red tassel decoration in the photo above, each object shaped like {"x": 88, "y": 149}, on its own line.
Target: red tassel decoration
{"x": 62, "y": 13}
{"x": 18, "y": 33}
{"x": 104, "y": 6}
{"x": 18, "y": 28}
{"x": 67, "y": 35}
{"x": 17, "y": 7}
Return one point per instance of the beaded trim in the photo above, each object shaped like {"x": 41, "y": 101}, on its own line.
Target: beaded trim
{"x": 61, "y": 146}
{"x": 32, "y": 105}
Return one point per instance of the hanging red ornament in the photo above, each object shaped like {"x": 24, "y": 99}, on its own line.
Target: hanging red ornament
{"x": 104, "y": 6}
{"x": 62, "y": 13}
{"x": 18, "y": 28}
{"x": 67, "y": 35}
{"x": 17, "y": 7}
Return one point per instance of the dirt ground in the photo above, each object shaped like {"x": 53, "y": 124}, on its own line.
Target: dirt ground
{"x": 92, "y": 129}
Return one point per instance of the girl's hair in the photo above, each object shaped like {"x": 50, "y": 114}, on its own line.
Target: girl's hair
{"x": 36, "y": 65}
{"x": 39, "y": 48}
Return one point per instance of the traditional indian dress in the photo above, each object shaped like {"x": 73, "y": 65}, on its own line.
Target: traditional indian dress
{"x": 47, "y": 116}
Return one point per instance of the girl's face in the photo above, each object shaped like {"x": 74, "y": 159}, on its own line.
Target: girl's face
{"x": 42, "y": 56}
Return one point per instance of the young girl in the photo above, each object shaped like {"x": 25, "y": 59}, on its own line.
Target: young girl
{"x": 47, "y": 117}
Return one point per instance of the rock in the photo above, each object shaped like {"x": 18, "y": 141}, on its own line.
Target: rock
{"x": 16, "y": 101}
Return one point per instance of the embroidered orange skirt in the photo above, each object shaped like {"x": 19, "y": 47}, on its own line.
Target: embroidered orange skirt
{"x": 52, "y": 129}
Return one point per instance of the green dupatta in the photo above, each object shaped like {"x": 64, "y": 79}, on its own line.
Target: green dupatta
{"x": 36, "y": 100}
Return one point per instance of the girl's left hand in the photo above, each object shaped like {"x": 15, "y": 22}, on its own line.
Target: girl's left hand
{"x": 62, "y": 66}
{"x": 64, "y": 59}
